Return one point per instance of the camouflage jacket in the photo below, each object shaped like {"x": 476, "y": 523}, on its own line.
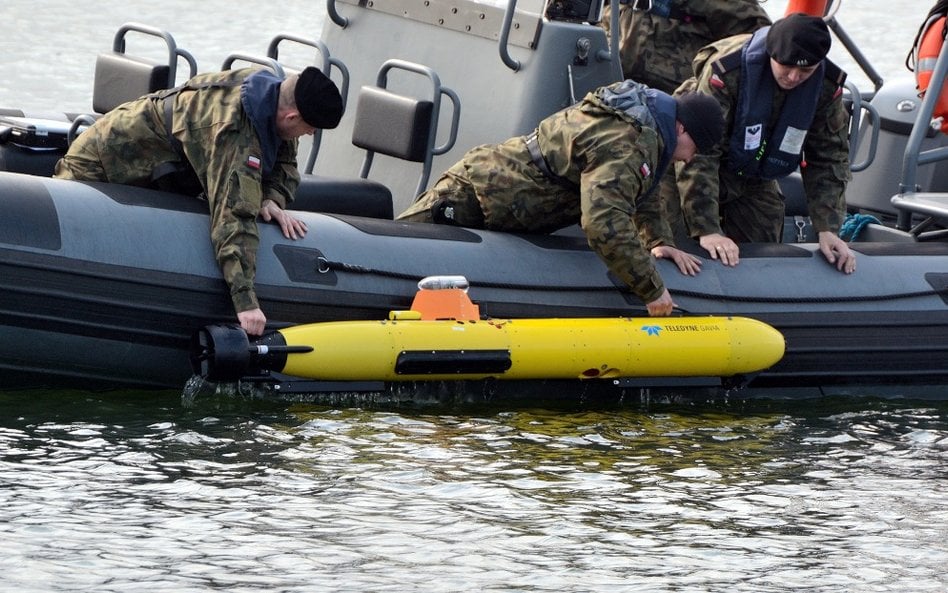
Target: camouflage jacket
{"x": 826, "y": 148}
{"x": 658, "y": 50}
{"x": 610, "y": 156}
{"x": 220, "y": 143}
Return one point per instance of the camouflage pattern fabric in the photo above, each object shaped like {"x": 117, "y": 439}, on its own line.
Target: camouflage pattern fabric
{"x": 715, "y": 200}
{"x": 657, "y": 51}
{"x": 127, "y": 144}
{"x": 606, "y": 153}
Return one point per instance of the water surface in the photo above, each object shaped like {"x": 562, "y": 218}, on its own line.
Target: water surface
{"x": 125, "y": 492}
{"x": 119, "y": 491}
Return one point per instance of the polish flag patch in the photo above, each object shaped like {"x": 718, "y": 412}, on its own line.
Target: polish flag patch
{"x": 253, "y": 162}
{"x": 716, "y": 82}
{"x": 645, "y": 170}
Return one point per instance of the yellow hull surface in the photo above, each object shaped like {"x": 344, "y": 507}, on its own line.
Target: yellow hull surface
{"x": 409, "y": 350}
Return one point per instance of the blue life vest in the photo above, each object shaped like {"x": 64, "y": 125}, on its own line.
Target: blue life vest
{"x": 755, "y": 150}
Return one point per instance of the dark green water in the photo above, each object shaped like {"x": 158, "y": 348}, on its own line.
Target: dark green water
{"x": 123, "y": 491}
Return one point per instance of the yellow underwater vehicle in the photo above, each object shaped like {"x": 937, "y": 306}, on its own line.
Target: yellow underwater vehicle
{"x": 443, "y": 337}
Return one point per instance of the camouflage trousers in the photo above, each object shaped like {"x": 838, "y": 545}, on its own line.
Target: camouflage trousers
{"x": 750, "y": 210}
{"x": 451, "y": 200}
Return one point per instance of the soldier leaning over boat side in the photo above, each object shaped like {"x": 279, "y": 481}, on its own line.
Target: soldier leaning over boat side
{"x": 782, "y": 101}
{"x": 229, "y": 136}
{"x": 658, "y": 39}
{"x": 598, "y": 163}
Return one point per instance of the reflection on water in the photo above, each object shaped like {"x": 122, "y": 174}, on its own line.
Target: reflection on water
{"x": 107, "y": 492}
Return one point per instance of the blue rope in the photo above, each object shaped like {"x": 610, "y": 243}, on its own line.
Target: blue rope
{"x": 853, "y": 225}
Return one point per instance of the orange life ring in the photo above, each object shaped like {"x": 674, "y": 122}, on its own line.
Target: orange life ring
{"x": 929, "y": 46}
{"x": 812, "y": 7}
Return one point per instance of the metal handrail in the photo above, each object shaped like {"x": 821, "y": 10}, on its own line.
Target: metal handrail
{"x": 914, "y": 155}
{"x": 438, "y": 91}
{"x": 854, "y": 52}
{"x": 118, "y": 46}
{"x": 855, "y": 129}
{"x": 265, "y": 61}
{"x": 612, "y": 54}
{"x": 922, "y": 128}
{"x": 505, "y": 37}
{"x": 334, "y": 15}
{"x": 192, "y": 63}
{"x": 328, "y": 62}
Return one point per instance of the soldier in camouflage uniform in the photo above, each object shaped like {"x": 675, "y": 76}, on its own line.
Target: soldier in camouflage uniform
{"x": 596, "y": 163}
{"x": 230, "y": 136}
{"x": 659, "y": 38}
{"x": 782, "y": 101}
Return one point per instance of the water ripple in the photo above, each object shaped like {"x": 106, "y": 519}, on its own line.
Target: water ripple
{"x": 108, "y": 497}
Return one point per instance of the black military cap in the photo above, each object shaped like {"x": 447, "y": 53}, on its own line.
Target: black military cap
{"x": 703, "y": 119}
{"x": 318, "y": 99}
{"x": 799, "y": 40}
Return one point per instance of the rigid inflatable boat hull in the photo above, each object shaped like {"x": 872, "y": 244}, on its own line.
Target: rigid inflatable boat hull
{"x": 92, "y": 271}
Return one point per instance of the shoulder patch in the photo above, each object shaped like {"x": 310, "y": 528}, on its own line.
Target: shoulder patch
{"x": 835, "y": 73}
{"x": 727, "y": 62}
{"x": 645, "y": 170}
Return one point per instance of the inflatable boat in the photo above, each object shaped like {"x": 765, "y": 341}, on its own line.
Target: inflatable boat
{"x": 105, "y": 286}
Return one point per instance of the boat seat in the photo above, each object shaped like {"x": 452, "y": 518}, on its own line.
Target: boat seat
{"x": 931, "y": 206}
{"x": 401, "y": 126}
{"x": 797, "y": 226}
{"x": 120, "y": 78}
{"x": 34, "y": 144}
{"x": 794, "y": 196}
{"x": 392, "y": 124}
{"x": 334, "y": 195}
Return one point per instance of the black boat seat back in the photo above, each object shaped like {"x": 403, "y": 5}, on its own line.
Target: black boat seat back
{"x": 30, "y": 144}
{"x": 335, "y": 195}
{"x": 402, "y": 126}
{"x": 120, "y": 78}
{"x": 797, "y": 226}
{"x": 392, "y": 124}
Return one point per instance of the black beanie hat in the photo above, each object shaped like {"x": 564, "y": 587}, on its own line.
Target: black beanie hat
{"x": 703, "y": 119}
{"x": 318, "y": 99}
{"x": 799, "y": 40}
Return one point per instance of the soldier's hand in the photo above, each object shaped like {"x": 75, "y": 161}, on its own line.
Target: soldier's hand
{"x": 722, "y": 248}
{"x": 662, "y": 306}
{"x": 688, "y": 264}
{"x": 837, "y": 252}
{"x": 253, "y": 321}
{"x": 292, "y": 227}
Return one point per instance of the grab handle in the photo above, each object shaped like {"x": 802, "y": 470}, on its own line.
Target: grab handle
{"x": 856, "y": 130}
{"x": 505, "y": 37}
{"x": 334, "y": 15}
{"x": 174, "y": 52}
